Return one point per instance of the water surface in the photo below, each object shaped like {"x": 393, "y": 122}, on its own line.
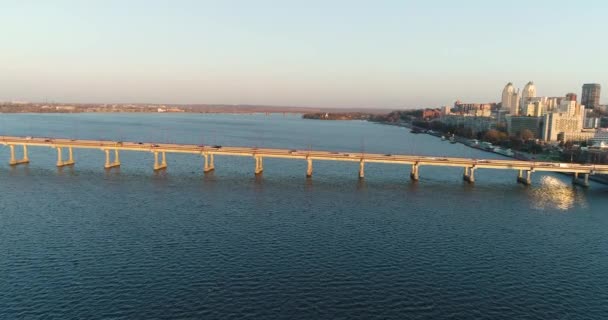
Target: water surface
{"x": 84, "y": 242}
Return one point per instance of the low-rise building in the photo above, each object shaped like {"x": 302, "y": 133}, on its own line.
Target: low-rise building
{"x": 591, "y": 120}
{"x": 473, "y": 109}
{"x": 428, "y": 114}
{"x": 599, "y": 139}
{"x": 476, "y": 124}
{"x": 65, "y": 108}
{"x": 518, "y": 124}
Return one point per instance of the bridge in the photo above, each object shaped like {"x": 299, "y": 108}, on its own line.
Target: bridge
{"x": 580, "y": 172}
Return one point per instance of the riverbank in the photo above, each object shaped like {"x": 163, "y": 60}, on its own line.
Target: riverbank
{"x": 519, "y": 155}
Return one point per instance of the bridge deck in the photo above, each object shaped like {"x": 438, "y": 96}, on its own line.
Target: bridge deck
{"x": 305, "y": 154}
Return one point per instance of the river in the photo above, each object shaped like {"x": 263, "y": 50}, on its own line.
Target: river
{"x": 129, "y": 243}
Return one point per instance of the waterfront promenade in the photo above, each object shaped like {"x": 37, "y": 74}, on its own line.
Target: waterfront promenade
{"x": 111, "y": 149}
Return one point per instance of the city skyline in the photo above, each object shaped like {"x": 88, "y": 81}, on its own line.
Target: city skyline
{"x": 343, "y": 54}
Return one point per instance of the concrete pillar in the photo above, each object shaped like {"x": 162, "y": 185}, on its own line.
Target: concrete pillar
{"x": 309, "y": 168}
{"x": 14, "y": 161}
{"x": 469, "y": 175}
{"x": 414, "y": 174}
{"x": 584, "y": 182}
{"x": 361, "y": 169}
{"x": 259, "y": 165}
{"x": 59, "y": 158}
{"x": 107, "y": 164}
{"x": 162, "y": 165}
{"x": 111, "y": 164}
{"x": 211, "y": 161}
{"x": 527, "y": 180}
{"x": 63, "y": 163}
{"x": 208, "y": 163}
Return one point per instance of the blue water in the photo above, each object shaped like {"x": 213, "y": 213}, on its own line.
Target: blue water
{"x": 87, "y": 243}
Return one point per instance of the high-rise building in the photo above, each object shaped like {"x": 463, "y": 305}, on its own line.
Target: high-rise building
{"x": 566, "y": 123}
{"x": 510, "y": 99}
{"x": 528, "y": 93}
{"x": 590, "y": 97}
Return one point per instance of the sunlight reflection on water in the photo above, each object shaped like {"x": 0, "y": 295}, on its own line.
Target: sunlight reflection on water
{"x": 555, "y": 193}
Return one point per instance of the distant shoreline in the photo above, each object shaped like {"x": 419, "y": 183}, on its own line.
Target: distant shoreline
{"x": 167, "y": 108}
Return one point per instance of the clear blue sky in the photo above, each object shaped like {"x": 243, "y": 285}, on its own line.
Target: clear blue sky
{"x": 331, "y": 53}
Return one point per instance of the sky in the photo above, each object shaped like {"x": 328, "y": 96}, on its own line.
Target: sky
{"x": 316, "y": 53}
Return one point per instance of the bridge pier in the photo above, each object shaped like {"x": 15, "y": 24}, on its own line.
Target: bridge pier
{"x": 63, "y": 163}
{"x": 309, "y": 168}
{"x": 111, "y": 164}
{"x": 259, "y": 165}
{"x": 361, "y": 169}
{"x": 209, "y": 165}
{"x": 14, "y": 161}
{"x": 584, "y": 182}
{"x": 469, "y": 174}
{"x": 163, "y": 164}
{"x": 414, "y": 174}
{"x": 527, "y": 180}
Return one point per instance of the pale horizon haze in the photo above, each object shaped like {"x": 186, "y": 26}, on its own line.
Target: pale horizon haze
{"x": 358, "y": 54}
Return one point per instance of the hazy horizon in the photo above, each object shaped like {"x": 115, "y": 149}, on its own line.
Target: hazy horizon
{"x": 350, "y": 54}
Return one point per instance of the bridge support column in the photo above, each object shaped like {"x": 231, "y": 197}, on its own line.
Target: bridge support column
{"x": 361, "y": 169}
{"x": 163, "y": 164}
{"x": 209, "y": 166}
{"x": 14, "y": 161}
{"x": 259, "y": 165}
{"x": 414, "y": 174}
{"x": 525, "y": 180}
{"x": 63, "y": 163}
{"x": 469, "y": 175}
{"x": 111, "y": 164}
{"x": 309, "y": 168}
{"x": 584, "y": 182}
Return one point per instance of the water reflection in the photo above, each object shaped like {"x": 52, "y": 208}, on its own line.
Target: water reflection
{"x": 554, "y": 193}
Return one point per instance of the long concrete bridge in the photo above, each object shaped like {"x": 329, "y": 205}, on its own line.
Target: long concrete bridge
{"x": 580, "y": 172}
